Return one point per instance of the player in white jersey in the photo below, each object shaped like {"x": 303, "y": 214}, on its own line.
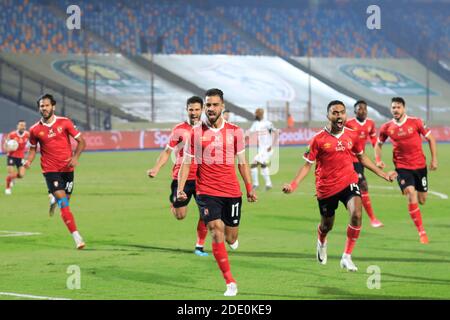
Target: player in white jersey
{"x": 264, "y": 131}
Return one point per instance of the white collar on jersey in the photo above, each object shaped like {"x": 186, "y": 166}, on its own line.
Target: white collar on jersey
{"x": 337, "y": 136}
{"x": 361, "y": 123}
{"x": 20, "y": 135}
{"x": 49, "y": 124}
{"x": 402, "y": 122}
{"x": 216, "y": 129}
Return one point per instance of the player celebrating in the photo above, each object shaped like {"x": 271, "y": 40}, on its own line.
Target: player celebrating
{"x": 405, "y": 133}
{"x": 264, "y": 130}
{"x": 15, "y": 158}
{"x": 214, "y": 145}
{"x": 336, "y": 179}
{"x": 180, "y": 134}
{"x": 57, "y": 160}
{"x": 365, "y": 129}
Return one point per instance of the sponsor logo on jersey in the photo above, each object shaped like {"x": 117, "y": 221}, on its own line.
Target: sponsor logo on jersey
{"x": 51, "y": 134}
{"x": 401, "y": 133}
{"x": 340, "y": 146}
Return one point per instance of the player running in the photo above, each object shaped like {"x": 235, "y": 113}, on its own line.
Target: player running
{"x": 180, "y": 134}
{"x": 14, "y": 161}
{"x": 366, "y": 130}
{"x": 409, "y": 160}
{"x": 53, "y": 134}
{"x": 336, "y": 180}
{"x": 264, "y": 130}
{"x": 214, "y": 146}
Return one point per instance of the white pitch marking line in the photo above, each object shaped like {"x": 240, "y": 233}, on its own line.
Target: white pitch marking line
{"x": 17, "y": 234}
{"x": 440, "y": 195}
{"x": 29, "y": 296}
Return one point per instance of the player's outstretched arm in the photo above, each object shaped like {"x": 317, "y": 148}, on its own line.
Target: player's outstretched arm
{"x": 160, "y": 162}
{"x": 377, "y": 149}
{"x": 5, "y": 146}
{"x": 78, "y": 150}
{"x": 183, "y": 175}
{"x": 366, "y": 162}
{"x": 301, "y": 174}
{"x": 433, "y": 149}
{"x": 31, "y": 156}
{"x": 244, "y": 170}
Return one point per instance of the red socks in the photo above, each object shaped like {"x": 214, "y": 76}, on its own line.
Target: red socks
{"x": 352, "y": 236}
{"x": 10, "y": 178}
{"x": 221, "y": 256}
{"x": 202, "y": 232}
{"x": 321, "y": 236}
{"x": 416, "y": 216}
{"x": 367, "y": 205}
{"x": 68, "y": 219}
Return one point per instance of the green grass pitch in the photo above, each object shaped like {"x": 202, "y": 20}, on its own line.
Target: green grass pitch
{"x": 137, "y": 250}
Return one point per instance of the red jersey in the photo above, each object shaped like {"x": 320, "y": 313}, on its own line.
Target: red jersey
{"x": 54, "y": 142}
{"x": 406, "y": 141}
{"x": 333, "y": 155}
{"x": 178, "y": 137}
{"x": 22, "y": 139}
{"x": 214, "y": 151}
{"x": 365, "y": 130}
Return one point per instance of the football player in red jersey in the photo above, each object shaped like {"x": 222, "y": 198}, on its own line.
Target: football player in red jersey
{"x": 14, "y": 161}
{"x": 180, "y": 134}
{"x": 366, "y": 130}
{"x": 336, "y": 180}
{"x": 58, "y": 161}
{"x": 214, "y": 146}
{"x": 410, "y": 163}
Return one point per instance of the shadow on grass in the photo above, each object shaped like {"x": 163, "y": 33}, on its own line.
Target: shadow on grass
{"x": 268, "y": 254}
{"x": 419, "y": 280}
{"x": 339, "y": 293}
{"x": 121, "y": 247}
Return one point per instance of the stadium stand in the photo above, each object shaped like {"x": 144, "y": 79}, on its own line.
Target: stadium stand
{"x": 29, "y": 26}
{"x": 324, "y": 33}
{"x": 289, "y": 29}
{"x": 12, "y": 112}
{"x": 171, "y": 27}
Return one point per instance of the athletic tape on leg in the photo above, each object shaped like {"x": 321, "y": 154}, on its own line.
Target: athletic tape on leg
{"x": 63, "y": 203}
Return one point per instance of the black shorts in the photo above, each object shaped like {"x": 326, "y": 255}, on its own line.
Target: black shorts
{"x": 416, "y": 178}
{"x": 17, "y": 162}
{"x": 226, "y": 209}
{"x": 359, "y": 168}
{"x": 189, "y": 189}
{"x": 329, "y": 205}
{"x": 57, "y": 181}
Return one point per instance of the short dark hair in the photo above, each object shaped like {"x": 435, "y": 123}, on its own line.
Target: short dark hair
{"x": 399, "y": 100}
{"x": 214, "y": 92}
{"x": 226, "y": 111}
{"x": 359, "y": 102}
{"x": 333, "y": 103}
{"x": 194, "y": 99}
{"x": 46, "y": 96}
